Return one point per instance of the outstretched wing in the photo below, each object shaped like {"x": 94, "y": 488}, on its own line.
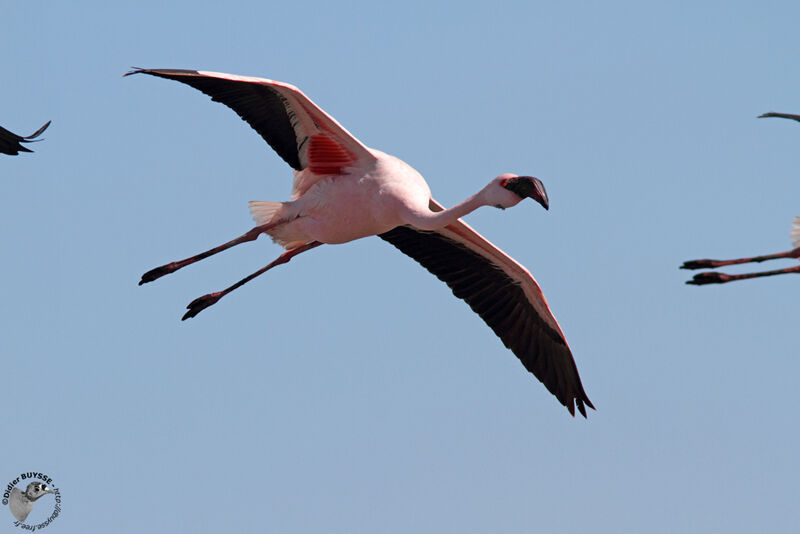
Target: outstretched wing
{"x": 302, "y": 134}
{"x": 780, "y": 116}
{"x": 505, "y": 295}
{"x": 11, "y": 143}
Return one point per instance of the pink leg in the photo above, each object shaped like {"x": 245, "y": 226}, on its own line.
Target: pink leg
{"x": 252, "y": 235}
{"x": 711, "y": 277}
{"x": 713, "y": 264}
{"x": 201, "y": 303}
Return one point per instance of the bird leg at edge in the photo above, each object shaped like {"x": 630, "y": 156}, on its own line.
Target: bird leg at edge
{"x": 712, "y": 277}
{"x": 251, "y": 235}
{"x": 201, "y": 303}
{"x": 713, "y": 264}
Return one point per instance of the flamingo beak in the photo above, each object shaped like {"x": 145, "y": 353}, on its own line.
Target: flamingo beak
{"x": 528, "y": 187}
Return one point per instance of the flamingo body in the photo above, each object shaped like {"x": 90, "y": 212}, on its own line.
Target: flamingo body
{"x": 343, "y": 190}
{"x": 386, "y": 192}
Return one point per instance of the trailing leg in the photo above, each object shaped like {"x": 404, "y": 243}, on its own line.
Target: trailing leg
{"x": 713, "y": 264}
{"x": 712, "y": 277}
{"x": 252, "y": 235}
{"x": 201, "y": 303}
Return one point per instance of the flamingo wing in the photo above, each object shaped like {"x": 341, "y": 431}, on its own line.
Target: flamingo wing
{"x": 780, "y": 116}
{"x": 302, "y": 134}
{"x": 11, "y": 143}
{"x": 505, "y": 295}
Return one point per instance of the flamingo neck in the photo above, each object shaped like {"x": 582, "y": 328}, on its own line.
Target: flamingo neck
{"x": 435, "y": 220}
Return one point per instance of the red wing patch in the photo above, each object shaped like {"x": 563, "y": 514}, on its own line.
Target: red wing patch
{"x": 326, "y": 156}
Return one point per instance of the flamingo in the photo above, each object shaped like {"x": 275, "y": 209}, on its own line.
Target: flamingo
{"x": 701, "y": 279}
{"x": 710, "y": 277}
{"x": 344, "y": 191}
{"x": 11, "y": 143}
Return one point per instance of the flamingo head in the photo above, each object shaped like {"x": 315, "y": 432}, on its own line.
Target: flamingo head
{"x": 509, "y": 190}
{"x": 36, "y": 490}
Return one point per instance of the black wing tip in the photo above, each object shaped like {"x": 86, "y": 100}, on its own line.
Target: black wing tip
{"x": 15, "y": 150}
{"x": 779, "y": 116}
{"x": 37, "y": 133}
{"x": 134, "y": 70}
{"x": 164, "y": 73}
{"x": 581, "y": 402}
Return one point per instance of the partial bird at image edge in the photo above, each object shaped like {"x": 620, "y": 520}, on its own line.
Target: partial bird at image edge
{"x": 11, "y": 143}
{"x": 715, "y": 277}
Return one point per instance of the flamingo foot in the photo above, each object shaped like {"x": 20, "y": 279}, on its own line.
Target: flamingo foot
{"x": 158, "y": 272}
{"x": 201, "y": 303}
{"x": 700, "y": 264}
{"x": 702, "y": 279}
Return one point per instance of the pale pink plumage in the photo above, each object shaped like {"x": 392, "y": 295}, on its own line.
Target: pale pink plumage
{"x": 344, "y": 191}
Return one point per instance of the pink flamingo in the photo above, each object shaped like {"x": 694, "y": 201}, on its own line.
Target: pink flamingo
{"x": 701, "y": 279}
{"x": 344, "y": 191}
{"x": 11, "y": 143}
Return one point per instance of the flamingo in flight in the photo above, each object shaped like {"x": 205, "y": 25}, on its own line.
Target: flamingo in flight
{"x": 344, "y": 191}
{"x": 11, "y": 143}
{"x": 712, "y": 277}
{"x": 722, "y": 278}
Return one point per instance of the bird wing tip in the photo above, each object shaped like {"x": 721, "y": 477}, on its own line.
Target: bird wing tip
{"x": 37, "y": 133}
{"x": 582, "y": 402}
{"x": 134, "y": 70}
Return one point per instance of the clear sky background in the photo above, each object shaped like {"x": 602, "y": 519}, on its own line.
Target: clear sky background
{"x": 349, "y": 391}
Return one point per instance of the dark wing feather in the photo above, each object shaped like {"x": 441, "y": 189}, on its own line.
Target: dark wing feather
{"x": 502, "y": 303}
{"x": 300, "y": 132}
{"x": 780, "y": 116}
{"x": 11, "y": 143}
{"x": 261, "y": 106}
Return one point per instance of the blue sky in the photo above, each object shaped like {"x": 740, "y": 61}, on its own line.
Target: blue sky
{"x": 349, "y": 391}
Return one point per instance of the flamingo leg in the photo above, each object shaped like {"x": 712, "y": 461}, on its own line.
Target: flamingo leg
{"x": 713, "y": 264}
{"x": 702, "y": 279}
{"x": 201, "y": 303}
{"x": 251, "y": 235}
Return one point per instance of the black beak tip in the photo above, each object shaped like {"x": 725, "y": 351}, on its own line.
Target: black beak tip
{"x": 528, "y": 187}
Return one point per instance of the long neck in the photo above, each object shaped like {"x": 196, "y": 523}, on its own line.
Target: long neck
{"x": 434, "y": 220}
